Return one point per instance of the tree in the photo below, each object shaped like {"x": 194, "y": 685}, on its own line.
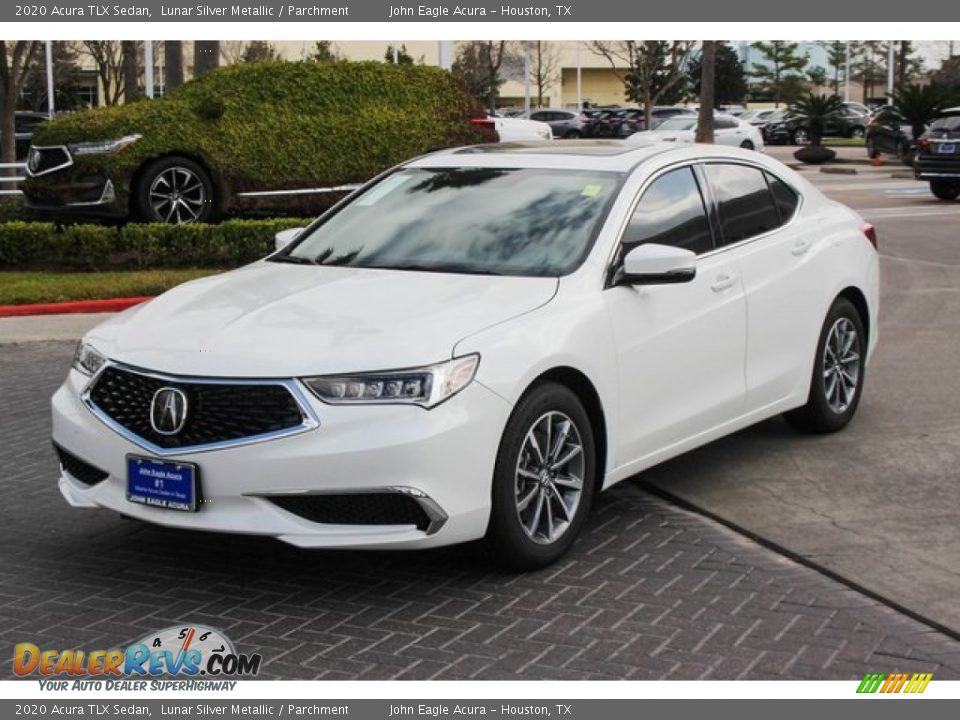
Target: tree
{"x": 259, "y": 51}
{"x": 730, "y": 79}
{"x": 323, "y": 52}
{"x": 814, "y": 109}
{"x": 919, "y": 105}
{"x": 544, "y": 64}
{"x": 66, "y": 80}
{"x": 708, "y": 67}
{"x": 16, "y": 57}
{"x": 403, "y": 57}
{"x": 130, "y": 67}
{"x": 652, "y": 71}
{"x": 781, "y": 63}
{"x": 869, "y": 59}
{"x": 480, "y": 65}
{"x": 908, "y": 63}
{"x": 106, "y": 56}
{"x": 948, "y": 75}
{"x": 173, "y": 64}
{"x": 206, "y": 56}
{"x": 817, "y": 76}
{"x": 836, "y": 59}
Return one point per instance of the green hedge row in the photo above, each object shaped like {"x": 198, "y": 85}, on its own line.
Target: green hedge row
{"x": 39, "y": 246}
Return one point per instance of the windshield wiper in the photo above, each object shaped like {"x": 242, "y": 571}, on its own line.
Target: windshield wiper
{"x": 295, "y": 259}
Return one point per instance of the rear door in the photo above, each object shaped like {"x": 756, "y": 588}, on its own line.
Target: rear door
{"x": 781, "y": 257}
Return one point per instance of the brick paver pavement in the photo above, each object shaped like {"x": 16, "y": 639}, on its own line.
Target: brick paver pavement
{"x": 650, "y": 591}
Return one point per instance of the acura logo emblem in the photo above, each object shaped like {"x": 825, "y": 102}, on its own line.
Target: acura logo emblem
{"x": 168, "y": 411}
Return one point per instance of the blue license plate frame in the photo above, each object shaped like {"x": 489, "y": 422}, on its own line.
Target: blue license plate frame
{"x": 165, "y": 484}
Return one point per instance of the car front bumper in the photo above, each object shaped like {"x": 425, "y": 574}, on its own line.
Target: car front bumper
{"x": 443, "y": 457}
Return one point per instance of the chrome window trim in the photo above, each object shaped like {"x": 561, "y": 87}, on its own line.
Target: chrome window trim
{"x": 309, "y": 422}
{"x": 67, "y": 164}
{"x": 434, "y": 512}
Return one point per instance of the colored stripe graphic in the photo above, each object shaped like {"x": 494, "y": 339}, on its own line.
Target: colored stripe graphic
{"x": 894, "y": 683}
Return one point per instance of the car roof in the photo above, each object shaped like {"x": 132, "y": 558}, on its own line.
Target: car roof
{"x": 599, "y": 155}
{"x": 947, "y": 112}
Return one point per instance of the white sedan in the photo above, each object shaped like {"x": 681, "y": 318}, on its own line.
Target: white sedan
{"x": 515, "y": 129}
{"x": 727, "y": 130}
{"x": 473, "y": 345}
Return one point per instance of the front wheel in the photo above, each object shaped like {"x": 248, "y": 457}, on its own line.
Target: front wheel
{"x": 800, "y": 137}
{"x": 945, "y": 189}
{"x": 858, "y": 132}
{"x": 573, "y": 135}
{"x": 872, "y": 151}
{"x": 174, "y": 190}
{"x": 747, "y": 145}
{"x": 838, "y": 373}
{"x": 543, "y": 480}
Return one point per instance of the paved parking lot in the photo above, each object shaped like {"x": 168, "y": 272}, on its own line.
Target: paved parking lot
{"x": 877, "y": 503}
{"x": 650, "y": 591}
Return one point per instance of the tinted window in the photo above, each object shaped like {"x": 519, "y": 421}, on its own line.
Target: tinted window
{"x": 671, "y": 212}
{"x": 950, "y": 123}
{"x": 784, "y": 196}
{"x": 541, "y": 116}
{"x": 723, "y": 123}
{"x": 743, "y": 200}
{"x": 466, "y": 220}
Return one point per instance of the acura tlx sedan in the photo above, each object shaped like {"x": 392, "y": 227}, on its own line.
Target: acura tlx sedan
{"x": 473, "y": 345}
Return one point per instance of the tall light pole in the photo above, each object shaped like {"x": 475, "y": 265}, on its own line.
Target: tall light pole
{"x": 579, "y": 83}
{"x": 148, "y": 67}
{"x": 526, "y": 77}
{"x": 48, "y": 48}
{"x": 846, "y": 72}
{"x": 890, "y": 73}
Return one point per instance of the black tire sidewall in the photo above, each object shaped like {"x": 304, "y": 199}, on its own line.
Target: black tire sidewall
{"x": 945, "y": 190}
{"x": 142, "y": 207}
{"x": 826, "y": 418}
{"x": 504, "y": 532}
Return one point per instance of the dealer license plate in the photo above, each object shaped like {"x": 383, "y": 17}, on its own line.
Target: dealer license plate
{"x": 946, "y": 149}
{"x": 158, "y": 483}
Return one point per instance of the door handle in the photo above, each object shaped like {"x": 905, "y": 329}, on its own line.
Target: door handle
{"x": 723, "y": 282}
{"x": 800, "y": 247}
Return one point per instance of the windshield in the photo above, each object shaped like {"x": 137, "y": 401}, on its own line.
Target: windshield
{"x": 465, "y": 220}
{"x": 678, "y": 123}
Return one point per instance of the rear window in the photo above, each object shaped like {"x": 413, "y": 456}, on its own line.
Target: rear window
{"x": 950, "y": 123}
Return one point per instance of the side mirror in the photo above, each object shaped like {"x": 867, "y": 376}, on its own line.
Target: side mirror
{"x": 653, "y": 264}
{"x": 285, "y": 237}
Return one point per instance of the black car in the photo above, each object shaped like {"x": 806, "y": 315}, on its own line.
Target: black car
{"x": 792, "y": 128}
{"x": 938, "y": 155}
{"x": 888, "y": 132}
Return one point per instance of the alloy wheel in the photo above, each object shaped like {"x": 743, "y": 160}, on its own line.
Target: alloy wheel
{"x": 841, "y": 365}
{"x": 549, "y": 477}
{"x": 177, "y": 195}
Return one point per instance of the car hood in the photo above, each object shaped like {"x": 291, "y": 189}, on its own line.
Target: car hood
{"x": 280, "y": 320}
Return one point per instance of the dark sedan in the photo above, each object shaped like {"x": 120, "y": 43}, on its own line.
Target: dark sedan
{"x": 938, "y": 155}
{"x": 792, "y": 128}
{"x": 888, "y": 132}
{"x": 563, "y": 123}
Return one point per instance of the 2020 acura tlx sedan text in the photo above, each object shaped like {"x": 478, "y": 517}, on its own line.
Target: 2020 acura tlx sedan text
{"x": 473, "y": 345}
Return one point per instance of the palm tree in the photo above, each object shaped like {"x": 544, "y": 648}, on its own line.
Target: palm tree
{"x": 918, "y": 105}
{"x": 814, "y": 109}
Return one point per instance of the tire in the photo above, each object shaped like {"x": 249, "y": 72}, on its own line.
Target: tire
{"x": 747, "y": 145}
{"x": 573, "y": 135}
{"x": 174, "y": 190}
{"x": 872, "y": 151}
{"x": 858, "y": 132}
{"x": 905, "y": 154}
{"x": 800, "y": 136}
{"x": 519, "y": 535}
{"x": 945, "y": 189}
{"x": 834, "y": 395}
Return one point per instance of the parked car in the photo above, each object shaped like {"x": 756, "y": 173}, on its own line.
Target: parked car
{"x": 938, "y": 155}
{"x": 858, "y": 108}
{"x": 475, "y": 344}
{"x": 234, "y": 137}
{"x": 563, "y": 123}
{"x": 514, "y": 129}
{"x": 728, "y": 130}
{"x": 757, "y": 117}
{"x": 791, "y": 127}
{"x": 888, "y": 132}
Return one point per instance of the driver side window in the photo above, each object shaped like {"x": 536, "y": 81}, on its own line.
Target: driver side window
{"x": 671, "y": 212}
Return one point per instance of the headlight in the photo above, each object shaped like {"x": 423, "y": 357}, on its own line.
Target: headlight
{"x": 426, "y": 386}
{"x": 87, "y": 360}
{"x": 102, "y": 147}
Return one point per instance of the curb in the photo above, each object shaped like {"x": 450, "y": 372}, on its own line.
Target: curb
{"x": 72, "y": 307}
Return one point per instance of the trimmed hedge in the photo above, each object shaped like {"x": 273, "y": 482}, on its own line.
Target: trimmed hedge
{"x": 39, "y": 246}
{"x": 278, "y": 125}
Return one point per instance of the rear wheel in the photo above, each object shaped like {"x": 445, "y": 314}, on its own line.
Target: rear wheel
{"x": 800, "y": 136}
{"x": 872, "y": 151}
{"x": 905, "y": 153}
{"x": 543, "y": 480}
{"x": 945, "y": 189}
{"x": 747, "y": 145}
{"x": 573, "y": 134}
{"x": 838, "y": 371}
{"x": 858, "y": 132}
{"x": 174, "y": 190}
